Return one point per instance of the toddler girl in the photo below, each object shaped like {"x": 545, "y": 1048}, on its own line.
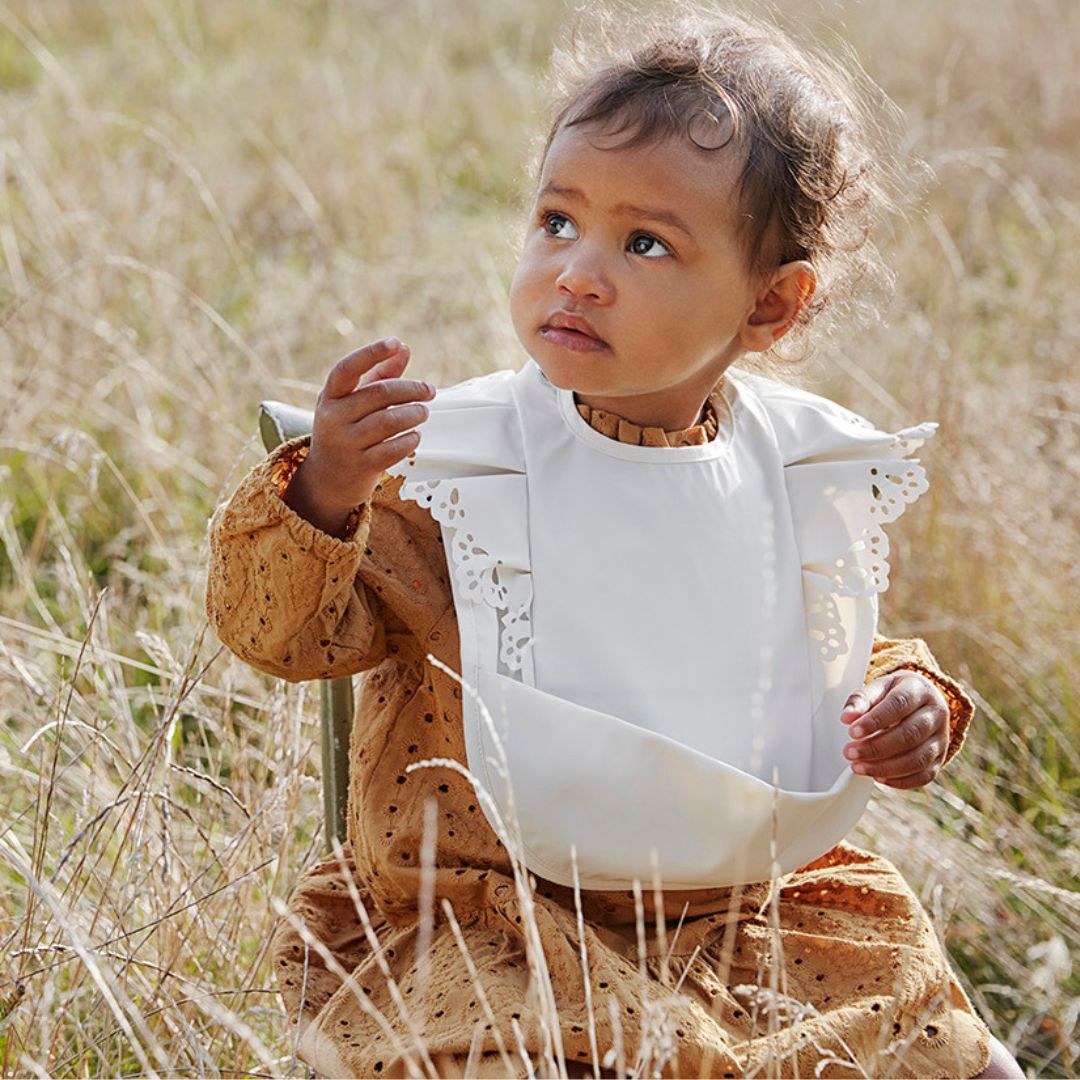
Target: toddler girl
{"x": 659, "y": 573}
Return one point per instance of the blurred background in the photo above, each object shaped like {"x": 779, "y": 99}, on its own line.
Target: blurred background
{"x": 206, "y": 203}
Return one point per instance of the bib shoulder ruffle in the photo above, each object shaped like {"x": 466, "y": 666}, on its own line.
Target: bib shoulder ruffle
{"x": 469, "y": 473}
{"x": 846, "y": 479}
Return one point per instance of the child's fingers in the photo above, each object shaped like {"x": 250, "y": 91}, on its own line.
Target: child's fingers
{"x": 346, "y": 373}
{"x": 912, "y": 769}
{"x": 900, "y": 694}
{"x": 899, "y": 750}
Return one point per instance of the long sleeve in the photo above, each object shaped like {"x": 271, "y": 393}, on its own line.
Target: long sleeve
{"x": 284, "y": 596}
{"x": 914, "y": 654}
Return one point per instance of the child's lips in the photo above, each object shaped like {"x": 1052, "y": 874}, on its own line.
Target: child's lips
{"x": 574, "y": 340}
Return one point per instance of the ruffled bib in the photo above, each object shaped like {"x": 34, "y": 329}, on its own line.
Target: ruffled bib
{"x": 657, "y": 640}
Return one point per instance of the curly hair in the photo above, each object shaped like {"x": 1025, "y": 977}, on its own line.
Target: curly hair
{"x": 816, "y": 173}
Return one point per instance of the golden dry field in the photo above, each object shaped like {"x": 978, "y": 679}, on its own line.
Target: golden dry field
{"x": 206, "y": 203}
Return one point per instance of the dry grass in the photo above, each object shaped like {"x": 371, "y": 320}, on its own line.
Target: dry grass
{"x": 207, "y": 203}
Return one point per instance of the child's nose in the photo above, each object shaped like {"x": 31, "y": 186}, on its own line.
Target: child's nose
{"x": 583, "y": 277}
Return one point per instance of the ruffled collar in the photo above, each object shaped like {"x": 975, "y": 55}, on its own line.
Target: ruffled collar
{"x": 615, "y": 427}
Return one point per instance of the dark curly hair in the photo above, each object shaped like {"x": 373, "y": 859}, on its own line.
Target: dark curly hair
{"x": 816, "y": 174}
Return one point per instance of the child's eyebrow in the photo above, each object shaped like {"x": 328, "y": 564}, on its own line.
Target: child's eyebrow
{"x": 664, "y": 216}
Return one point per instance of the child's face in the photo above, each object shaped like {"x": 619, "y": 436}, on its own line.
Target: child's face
{"x": 641, "y": 243}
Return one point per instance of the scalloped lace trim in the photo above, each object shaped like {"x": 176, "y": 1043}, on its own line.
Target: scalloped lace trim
{"x": 864, "y": 568}
{"x": 476, "y": 570}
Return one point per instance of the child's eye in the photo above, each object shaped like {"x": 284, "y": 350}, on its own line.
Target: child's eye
{"x": 650, "y": 246}
{"x": 559, "y": 225}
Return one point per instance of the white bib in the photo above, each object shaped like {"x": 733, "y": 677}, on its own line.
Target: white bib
{"x": 664, "y": 637}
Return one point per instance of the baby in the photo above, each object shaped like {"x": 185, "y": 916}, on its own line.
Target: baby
{"x": 659, "y": 572}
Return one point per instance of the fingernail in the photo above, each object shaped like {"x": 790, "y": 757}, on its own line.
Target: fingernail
{"x": 851, "y": 752}
{"x": 430, "y": 389}
{"x": 858, "y": 768}
{"x": 391, "y": 342}
{"x": 858, "y": 732}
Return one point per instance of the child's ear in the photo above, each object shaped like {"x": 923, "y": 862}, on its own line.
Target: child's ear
{"x": 781, "y": 299}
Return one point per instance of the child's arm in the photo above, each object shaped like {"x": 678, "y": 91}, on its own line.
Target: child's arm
{"x": 285, "y": 589}
{"x": 284, "y": 596}
{"x": 908, "y": 720}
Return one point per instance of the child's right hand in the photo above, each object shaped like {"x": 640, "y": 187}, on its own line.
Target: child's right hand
{"x": 350, "y": 440}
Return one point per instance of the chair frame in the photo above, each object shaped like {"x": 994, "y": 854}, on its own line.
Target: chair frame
{"x": 278, "y": 423}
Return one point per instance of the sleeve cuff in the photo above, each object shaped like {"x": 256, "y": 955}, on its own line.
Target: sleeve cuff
{"x": 281, "y": 466}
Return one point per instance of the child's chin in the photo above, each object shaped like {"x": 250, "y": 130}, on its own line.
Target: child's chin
{"x": 567, "y": 370}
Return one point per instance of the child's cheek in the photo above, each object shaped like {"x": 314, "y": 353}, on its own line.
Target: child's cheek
{"x": 520, "y": 303}
{"x": 527, "y": 282}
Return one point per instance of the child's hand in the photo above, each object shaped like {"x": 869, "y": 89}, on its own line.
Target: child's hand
{"x": 912, "y": 717}
{"x": 350, "y": 440}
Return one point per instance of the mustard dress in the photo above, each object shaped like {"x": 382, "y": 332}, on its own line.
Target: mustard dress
{"x": 834, "y": 970}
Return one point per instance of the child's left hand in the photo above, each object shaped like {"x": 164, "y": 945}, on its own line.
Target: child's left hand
{"x": 912, "y": 716}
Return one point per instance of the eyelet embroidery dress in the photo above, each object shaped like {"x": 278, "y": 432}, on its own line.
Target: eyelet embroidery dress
{"x": 865, "y": 976}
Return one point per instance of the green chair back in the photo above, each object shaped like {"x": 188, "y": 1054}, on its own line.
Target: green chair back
{"x": 277, "y": 424}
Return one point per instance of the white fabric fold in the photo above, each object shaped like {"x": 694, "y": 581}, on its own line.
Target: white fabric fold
{"x": 653, "y": 771}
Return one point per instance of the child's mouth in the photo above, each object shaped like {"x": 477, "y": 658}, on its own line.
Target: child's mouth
{"x": 574, "y": 340}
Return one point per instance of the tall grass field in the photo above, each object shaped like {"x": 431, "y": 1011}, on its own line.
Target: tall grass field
{"x": 205, "y": 203}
